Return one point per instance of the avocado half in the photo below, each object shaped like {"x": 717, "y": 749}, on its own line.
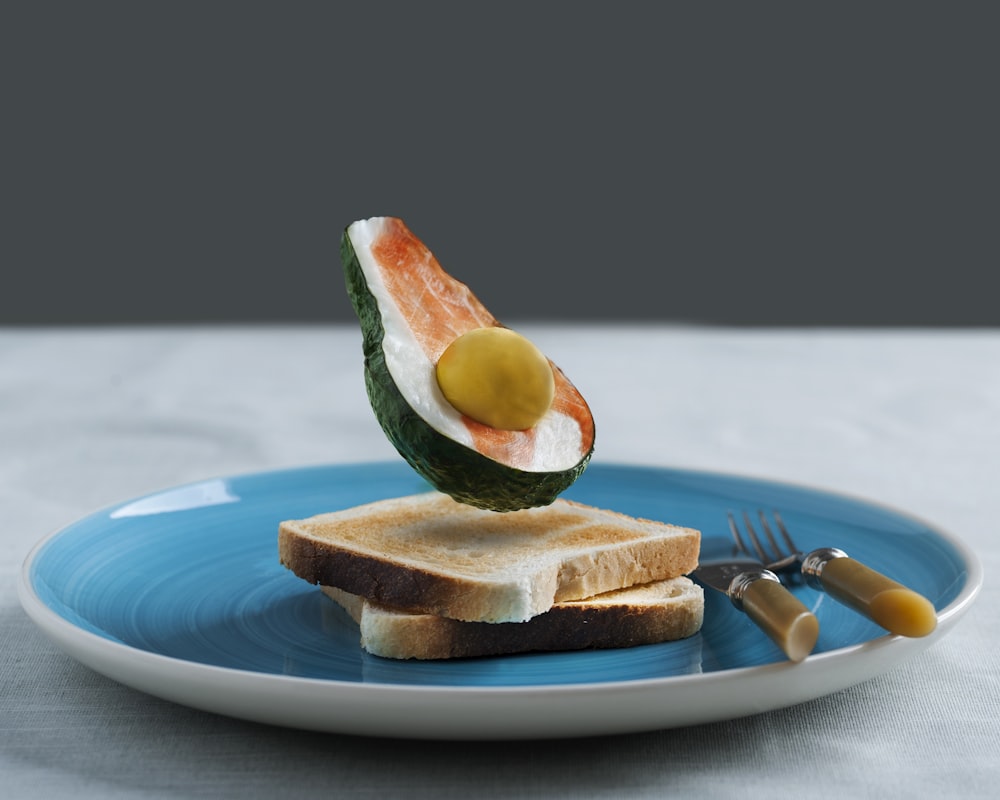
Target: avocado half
{"x": 410, "y": 310}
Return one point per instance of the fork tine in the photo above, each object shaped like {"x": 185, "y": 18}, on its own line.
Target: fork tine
{"x": 758, "y": 548}
{"x": 786, "y": 563}
{"x": 775, "y": 547}
{"x": 784, "y": 533}
{"x": 735, "y": 530}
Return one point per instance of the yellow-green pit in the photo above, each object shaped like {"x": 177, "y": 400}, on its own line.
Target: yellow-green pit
{"x": 497, "y": 377}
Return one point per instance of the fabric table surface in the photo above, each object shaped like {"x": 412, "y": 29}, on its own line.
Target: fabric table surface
{"x": 908, "y": 418}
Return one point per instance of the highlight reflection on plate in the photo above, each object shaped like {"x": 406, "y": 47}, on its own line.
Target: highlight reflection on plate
{"x": 180, "y": 594}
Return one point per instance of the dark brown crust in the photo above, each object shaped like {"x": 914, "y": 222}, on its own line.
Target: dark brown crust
{"x": 375, "y": 579}
{"x": 571, "y": 626}
{"x": 567, "y": 629}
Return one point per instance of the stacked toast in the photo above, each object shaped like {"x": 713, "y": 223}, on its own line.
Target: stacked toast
{"x": 427, "y": 577}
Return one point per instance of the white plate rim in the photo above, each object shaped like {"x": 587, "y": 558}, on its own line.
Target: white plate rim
{"x": 542, "y": 711}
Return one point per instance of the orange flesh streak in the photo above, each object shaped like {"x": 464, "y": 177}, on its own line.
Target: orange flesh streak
{"x": 438, "y": 309}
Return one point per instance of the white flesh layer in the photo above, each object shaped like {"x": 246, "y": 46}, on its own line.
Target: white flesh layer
{"x": 558, "y": 441}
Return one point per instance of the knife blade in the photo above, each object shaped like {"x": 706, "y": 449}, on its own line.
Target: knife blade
{"x": 756, "y": 591}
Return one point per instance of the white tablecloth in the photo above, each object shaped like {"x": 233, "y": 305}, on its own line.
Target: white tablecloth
{"x": 908, "y": 418}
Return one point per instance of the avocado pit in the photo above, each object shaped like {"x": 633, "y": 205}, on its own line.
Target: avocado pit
{"x": 497, "y": 377}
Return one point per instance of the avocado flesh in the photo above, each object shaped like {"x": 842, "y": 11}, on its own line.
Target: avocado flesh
{"x": 451, "y": 467}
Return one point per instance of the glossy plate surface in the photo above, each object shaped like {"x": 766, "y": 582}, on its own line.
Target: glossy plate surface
{"x": 180, "y": 594}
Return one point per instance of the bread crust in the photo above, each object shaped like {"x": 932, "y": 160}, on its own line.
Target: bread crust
{"x": 630, "y": 620}
{"x": 382, "y": 581}
{"x": 415, "y": 553}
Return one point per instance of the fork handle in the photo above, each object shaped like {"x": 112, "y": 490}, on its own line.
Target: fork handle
{"x": 893, "y": 606}
{"x": 782, "y": 616}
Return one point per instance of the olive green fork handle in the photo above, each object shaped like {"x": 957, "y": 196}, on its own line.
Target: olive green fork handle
{"x": 884, "y": 601}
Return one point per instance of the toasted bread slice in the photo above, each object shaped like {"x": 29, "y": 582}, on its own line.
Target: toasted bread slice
{"x": 655, "y": 612}
{"x": 428, "y": 553}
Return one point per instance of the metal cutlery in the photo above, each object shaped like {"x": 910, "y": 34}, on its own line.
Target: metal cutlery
{"x": 891, "y": 605}
{"x": 758, "y": 592}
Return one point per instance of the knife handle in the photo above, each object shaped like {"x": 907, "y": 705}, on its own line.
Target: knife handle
{"x": 781, "y": 615}
{"x": 897, "y": 609}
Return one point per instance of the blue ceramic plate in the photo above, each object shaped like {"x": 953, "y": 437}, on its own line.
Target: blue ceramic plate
{"x": 180, "y": 594}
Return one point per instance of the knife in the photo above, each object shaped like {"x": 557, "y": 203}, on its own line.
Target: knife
{"x": 757, "y": 592}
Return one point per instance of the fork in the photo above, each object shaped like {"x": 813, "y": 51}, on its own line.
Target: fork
{"x": 889, "y": 604}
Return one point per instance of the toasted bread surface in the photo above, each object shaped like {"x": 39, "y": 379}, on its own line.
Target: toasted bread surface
{"x": 657, "y": 612}
{"x": 431, "y": 554}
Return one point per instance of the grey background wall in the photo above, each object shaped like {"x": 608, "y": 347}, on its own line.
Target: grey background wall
{"x": 738, "y": 163}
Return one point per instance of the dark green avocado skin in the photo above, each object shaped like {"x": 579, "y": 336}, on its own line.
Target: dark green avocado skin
{"x": 452, "y": 468}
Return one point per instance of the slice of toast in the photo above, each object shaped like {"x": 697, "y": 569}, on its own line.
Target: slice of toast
{"x": 431, "y": 554}
{"x": 649, "y": 614}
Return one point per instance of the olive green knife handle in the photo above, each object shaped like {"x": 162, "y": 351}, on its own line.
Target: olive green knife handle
{"x": 897, "y": 609}
{"x": 781, "y": 615}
